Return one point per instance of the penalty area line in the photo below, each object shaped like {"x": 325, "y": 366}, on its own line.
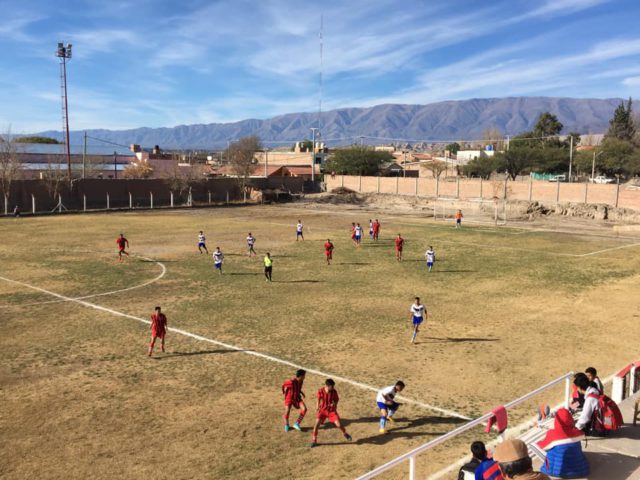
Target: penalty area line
{"x": 228, "y": 346}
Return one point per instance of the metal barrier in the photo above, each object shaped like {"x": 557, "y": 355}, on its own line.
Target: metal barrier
{"x": 411, "y": 455}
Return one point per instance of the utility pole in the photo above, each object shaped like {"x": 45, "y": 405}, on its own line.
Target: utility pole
{"x": 84, "y": 155}
{"x": 64, "y": 53}
{"x": 266, "y": 162}
{"x": 570, "y": 156}
{"x": 115, "y": 166}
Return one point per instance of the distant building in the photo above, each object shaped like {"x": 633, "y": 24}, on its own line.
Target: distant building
{"x": 38, "y": 165}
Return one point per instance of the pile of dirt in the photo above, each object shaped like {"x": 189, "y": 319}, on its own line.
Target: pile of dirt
{"x": 338, "y": 196}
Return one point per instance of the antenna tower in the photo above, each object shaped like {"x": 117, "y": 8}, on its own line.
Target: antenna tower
{"x": 320, "y": 83}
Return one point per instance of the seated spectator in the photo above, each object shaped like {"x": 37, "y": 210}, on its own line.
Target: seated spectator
{"x": 514, "y": 462}
{"x": 587, "y": 389}
{"x": 564, "y": 451}
{"x": 592, "y": 375}
{"x": 480, "y": 467}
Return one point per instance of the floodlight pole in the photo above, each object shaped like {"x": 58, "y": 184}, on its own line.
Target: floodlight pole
{"x": 64, "y": 53}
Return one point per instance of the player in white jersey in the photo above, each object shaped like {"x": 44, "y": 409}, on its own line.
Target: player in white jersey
{"x": 385, "y": 399}
{"x": 418, "y": 315}
{"x": 251, "y": 240}
{"x": 218, "y": 257}
{"x": 299, "y": 234}
{"x": 358, "y": 234}
{"x": 201, "y": 243}
{"x": 371, "y": 229}
{"x": 431, "y": 257}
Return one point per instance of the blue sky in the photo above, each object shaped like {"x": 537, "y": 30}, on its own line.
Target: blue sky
{"x": 164, "y": 63}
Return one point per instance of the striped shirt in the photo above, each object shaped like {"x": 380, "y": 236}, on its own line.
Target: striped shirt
{"x": 328, "y": 400}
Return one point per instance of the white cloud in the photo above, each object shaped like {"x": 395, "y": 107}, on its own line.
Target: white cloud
{"x": 88, "y": 42}
{"x": 631, "y": 82}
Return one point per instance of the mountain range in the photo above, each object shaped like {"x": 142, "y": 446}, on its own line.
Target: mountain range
{"x": 442, "y": 121}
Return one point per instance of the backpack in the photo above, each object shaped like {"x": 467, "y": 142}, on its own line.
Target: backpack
{"x": 607, "y": 416}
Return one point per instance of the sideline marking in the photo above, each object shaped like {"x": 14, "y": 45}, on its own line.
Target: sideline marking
{"x": 153, "y": 280}
{"x": 558, "y": 254}
{"x": 364, "y": 386}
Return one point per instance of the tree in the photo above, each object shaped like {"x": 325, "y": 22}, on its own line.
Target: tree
{"x": 620, "y": 157}
{"x": 241, "y": 157}
{"x": 38, "y": 139}
{"x": 517, "y": 160}
{"x": 138, "y": 169}
{"x": 622, "y": 126}
{"x": 180, "y": 180}
{"x": 10, "y": 165}
{"x": 436, "y": 167}
{"x": 54, "y": 177}
{"x": 453, "y": 148}
{"x": 548, "y": 125}
{"x": 481, "y": 167}
{"x": 358, "y": 160}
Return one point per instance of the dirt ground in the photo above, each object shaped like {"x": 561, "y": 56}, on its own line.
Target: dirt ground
{"x": 510, "y": 309}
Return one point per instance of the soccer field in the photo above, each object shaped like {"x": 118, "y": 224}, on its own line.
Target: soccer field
{"x": 509, "y": 309}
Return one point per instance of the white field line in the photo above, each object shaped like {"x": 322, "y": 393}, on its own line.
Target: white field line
{"x": 546, "y": 252}
{"x": 163, "y": 271}
{"x": 527, "y": 424}
{"x": 264, "y": 356}
{"x": 608, "y": 250}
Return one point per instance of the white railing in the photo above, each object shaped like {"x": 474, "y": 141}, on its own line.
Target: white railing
{"x": 626, "y": 382}
{"x": 411, "y": 455}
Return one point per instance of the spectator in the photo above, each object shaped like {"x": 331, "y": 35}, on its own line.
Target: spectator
{"x": 514, "y": 462}
{"x": 592, "y": 375}
{"x": 16, "y": 211}
{"x": 480, "y": 467}
{"x": 586, "y": 388}
{"x": 564, "y": 451}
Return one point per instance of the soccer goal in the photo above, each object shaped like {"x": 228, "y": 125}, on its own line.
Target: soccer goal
{"x": 474, "y": 211}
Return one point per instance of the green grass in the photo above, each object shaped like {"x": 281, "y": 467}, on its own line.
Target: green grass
{"x": 508, "y": 312}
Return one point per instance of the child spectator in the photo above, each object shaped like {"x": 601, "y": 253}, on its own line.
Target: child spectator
{"x": 564, "y": 451}
{"x": 480, "y": 467}
{"x": 587, "y": 389}
{"x": 592, "y": 375}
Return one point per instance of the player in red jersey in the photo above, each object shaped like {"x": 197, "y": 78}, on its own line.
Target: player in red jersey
{"x": 158, "y": 329}
{"x": 399, "y": 246}
{"x": 327, "y": 408}
{"x": 328, "y": 251}
{"x": 376, "y": 230}
{"x": 292, "y": 391}
{"x": 122, "y": 243}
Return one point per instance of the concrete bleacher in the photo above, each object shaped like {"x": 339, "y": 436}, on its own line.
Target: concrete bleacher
{"x": 616, "y": 457}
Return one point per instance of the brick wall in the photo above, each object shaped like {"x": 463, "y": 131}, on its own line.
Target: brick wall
{"x": 623, "y": 196}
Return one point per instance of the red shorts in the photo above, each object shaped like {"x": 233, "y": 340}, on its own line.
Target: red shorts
{"x": 328, "y": 254}
{"x": 158, "y": 333}
{"x": 323, "y": 415}
{"x": 289, "y": 401}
